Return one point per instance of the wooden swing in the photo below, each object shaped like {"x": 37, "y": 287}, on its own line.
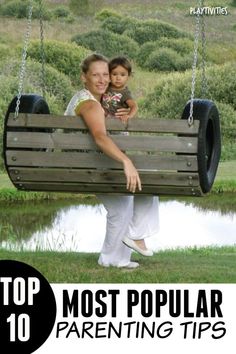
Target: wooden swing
{"x": 45, "y": 152}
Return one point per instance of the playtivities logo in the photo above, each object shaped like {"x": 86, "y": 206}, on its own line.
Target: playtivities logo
{"x": 209, "y": 11}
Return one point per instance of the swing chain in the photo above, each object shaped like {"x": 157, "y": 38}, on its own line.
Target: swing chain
{"x": 200, "y": 22}
{"x": 204, "y": 86}
{"x": 23, "y": 61}
{"x": 42, "y": 51}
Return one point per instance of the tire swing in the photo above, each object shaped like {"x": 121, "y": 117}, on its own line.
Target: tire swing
{"x": 45, "y": 152}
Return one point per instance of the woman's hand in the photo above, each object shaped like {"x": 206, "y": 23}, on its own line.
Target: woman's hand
{"x": 132, "y": 176}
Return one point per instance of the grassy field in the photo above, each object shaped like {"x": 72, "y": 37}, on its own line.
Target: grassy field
{"x": 207, "y": 265}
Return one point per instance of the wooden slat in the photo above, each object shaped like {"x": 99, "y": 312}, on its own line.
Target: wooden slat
{"x": 98, "y": 176}
{"x": 85, "y": 141}
{"x": 177, "y": 126}
{"x": 104, "y": 188}
{"x": 89, "y": 160}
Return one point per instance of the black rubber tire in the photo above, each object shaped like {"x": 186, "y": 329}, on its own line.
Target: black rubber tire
{"x": 29, "y": 103}
{"x": 209, "y": 140}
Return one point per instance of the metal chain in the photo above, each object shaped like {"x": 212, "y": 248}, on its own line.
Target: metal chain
{"x": 194, "y": 66}
{"x": 42, "y": 51}
{"x": 23, "y": 61}
{"x": 204, "y": 78}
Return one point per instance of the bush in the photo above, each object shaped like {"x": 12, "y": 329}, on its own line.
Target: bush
{"x": 163, "y": 59}
{"x": 85, "y": 7}
{"x": 119, "y": 25}
{"x": 57, "y": 84}
{"x": 182, "y": 46}
{"x": 228, "y": 126}
{"x": 107, "y": 13}
{"x": 152, "y": 30}
{"x": 171, "y": 94}
{"x": 58, "y": 88}
{"x": 173, "y": 91}
{"x": 144, "y": 52}
{"x": 20, "y": 9}
{"x": 107, "y": 43}
{"x": 65, "y": 57}
{"x": 62, "y": 12}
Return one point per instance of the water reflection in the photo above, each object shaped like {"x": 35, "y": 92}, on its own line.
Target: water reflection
{"x": 63, "y": 226}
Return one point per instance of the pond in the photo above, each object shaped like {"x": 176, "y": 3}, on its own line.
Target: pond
{"x": 79, "y": 225}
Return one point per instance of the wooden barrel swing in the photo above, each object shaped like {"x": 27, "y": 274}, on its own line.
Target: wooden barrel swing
{"x": 45, "y": 152}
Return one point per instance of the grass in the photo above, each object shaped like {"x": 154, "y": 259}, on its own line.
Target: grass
{"x": 191, "y": 265}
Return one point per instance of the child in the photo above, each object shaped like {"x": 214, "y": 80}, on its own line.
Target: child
{"x": 118, "y": 95}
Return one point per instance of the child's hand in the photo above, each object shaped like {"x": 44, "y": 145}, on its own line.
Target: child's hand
{"x": 123, "y": 114}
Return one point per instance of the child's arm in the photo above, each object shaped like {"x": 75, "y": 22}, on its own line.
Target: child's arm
{"x": 131, "y": 111}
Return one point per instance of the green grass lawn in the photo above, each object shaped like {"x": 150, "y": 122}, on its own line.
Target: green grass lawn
{"x": 203, "y": 265}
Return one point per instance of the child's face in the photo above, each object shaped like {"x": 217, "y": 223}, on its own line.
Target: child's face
{"x": 119, "y": 77}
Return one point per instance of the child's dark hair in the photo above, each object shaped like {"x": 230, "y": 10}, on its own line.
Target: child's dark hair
{"x": 122, "y": 61}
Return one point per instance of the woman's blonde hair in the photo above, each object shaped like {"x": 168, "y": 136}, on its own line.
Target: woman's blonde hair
{"x": 85, "y": 65}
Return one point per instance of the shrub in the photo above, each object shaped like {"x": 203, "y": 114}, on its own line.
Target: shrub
{"x": 19, "y": 9}
{"x": 107, "y": 13}
{"x": 119, "y": 25}
{"x": 107, "y": 43}
{"x": 172, "y": 92}
{"x": 163, "y": 59}
{"x": 180, "y": 45}
{"x": 85, "y": 7}
{"x": 228, "y": 126}
{"x": 61, "y": 12}
{"x": 58, "y": 88}
{"x": 144, "y": 52}
{"x": 152, "y": 30}
{"x": 65, "y": 57}
{"x": 57, "y": 84}
{"x": 5, "y": 51}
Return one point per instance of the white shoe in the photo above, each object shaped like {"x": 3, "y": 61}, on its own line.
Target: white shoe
{"x": 131, "y": 244}
{"x": 130, "y": 265}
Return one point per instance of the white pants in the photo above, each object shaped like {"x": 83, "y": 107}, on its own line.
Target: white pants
{"x": 134, "y": 216}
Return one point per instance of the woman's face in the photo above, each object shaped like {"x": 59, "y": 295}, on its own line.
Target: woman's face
{"x": 97, "y": 78}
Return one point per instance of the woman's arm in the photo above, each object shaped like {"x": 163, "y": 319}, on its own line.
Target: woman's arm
{"x": 94, "y": 117}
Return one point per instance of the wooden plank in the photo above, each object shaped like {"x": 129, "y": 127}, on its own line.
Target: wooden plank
{"x": 89, "y": 160}
{"x": 98, "y": 189}
{"x": 177, "y": 126}
{"x": 85, "y": 141}
{"x": 99, "y": 176}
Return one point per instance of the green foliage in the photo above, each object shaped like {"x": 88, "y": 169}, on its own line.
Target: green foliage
{"x": 152, "y": 30}
{"x": 57, "y": 84}
{"x": 119, "y": 24}
{"x": 171, "y": 94}
{"x": 107, "y": 43}
{"x": 65, "y": 57}
{"x": 107, "y": 13}
{"x": 85, "y": 7}
{"x": 58, "y": 88}
{"x": 62, "y": 12}
{"x": 228, "y": 129}
{"x": 233, "y": 3}
{"x": 20, "y": 9}
{"x": 182, "y": 46}
{"x": 163, "y": 59}
{"x": 5, "y": 51}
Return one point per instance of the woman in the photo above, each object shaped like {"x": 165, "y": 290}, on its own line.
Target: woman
{"x": 129, "y": 218}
